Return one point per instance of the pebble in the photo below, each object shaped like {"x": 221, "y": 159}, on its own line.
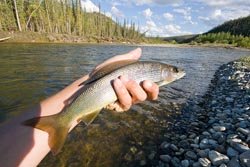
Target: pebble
{"x": 185, "y": 163}
{"x": 204, "y": 162}
{"x": 219, "y": 128}
{"x": 191, "y": 155}
{"x": 245, "y": 159}
{"x": 218, "y": 132}
{"x": 244, "y": 131}
{"x": 234, "y": 162}
{"x": 239, "y": 147}
{"x": 165, "y": 158}
{"x": 217, "y": 158}
{"x": 232, "y": 152}
{"x": 174, "y": 147}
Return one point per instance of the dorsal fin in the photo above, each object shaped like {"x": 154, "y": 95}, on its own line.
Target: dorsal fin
{"x": 108, "y": 68}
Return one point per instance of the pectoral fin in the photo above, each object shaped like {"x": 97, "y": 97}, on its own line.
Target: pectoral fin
{"x": 87, "y": 119}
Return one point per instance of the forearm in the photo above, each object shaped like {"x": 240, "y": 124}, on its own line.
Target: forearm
{"x": 26, "y": 146}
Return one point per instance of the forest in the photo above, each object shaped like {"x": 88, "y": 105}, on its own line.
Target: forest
{"x": 240, "y": 26}
{"x": 234, "y": 32}
{"x": 223, "y": 38}
{"x": 63, "y": 17}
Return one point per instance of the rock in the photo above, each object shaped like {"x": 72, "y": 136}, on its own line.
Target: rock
{"x": 205, "y": 133}
{"x": 234, "y": 162}
{"x": 202, "y": 153}
{"x": 165, "y": 158}
{"x": 217, "y": 158}
{"x": 219, "y": 128}
{"x": 151, "y": 155}
{"x": 184, "y": 144}
{"x": 164, "y": 145}
{"x": 204, "y": 162}
{"x": 185, "y": 163}
{"x": 196, "y": 140}
{"x": 243, "y": 124}
{"x": 143, "y": 163}
{"x": 196, "y": 164}
{"x": 244, "y": 131}
{"x": 191, "y": 155}
{"x": 245, "y": 159}
{"x": 204, "y": 144}
{"x": 194, "y": 145}
{"x": 212, "y": 142}
{"x": 232, "y": 152}
{"x": 223, "y": 165}
{"x": 173, "y": 147}
{"x": 229, "y": 100}
{"x": 180, "y": 152}
{"x": 175, "y": 162}
{"x": 239, "y": 147}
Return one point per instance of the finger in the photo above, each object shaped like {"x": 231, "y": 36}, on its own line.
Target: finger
{"x": 123, "y": 95}
{"x": 136, "y": 91}
{"x": 134, "y": 54}
{"x": 151, "y": 88}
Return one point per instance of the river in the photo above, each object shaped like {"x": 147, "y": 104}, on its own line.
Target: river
{"x": 32, "y": 72}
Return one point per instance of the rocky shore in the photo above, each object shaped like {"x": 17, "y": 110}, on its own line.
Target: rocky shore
{"x": 217, "y": 133}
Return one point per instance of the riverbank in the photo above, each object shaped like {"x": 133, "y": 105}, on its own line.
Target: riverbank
{"x": 35, "y": 37}
{"x": 215, "y": 132}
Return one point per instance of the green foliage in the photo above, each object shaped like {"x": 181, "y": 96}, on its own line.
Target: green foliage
{"x": 64, "y": 17}
{"x": 224, "y": 38}
{"x": 239, "y": 26}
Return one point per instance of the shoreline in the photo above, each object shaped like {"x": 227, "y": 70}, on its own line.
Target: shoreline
{"x": 215, "y": 132}
{"x": 50, "y": 38}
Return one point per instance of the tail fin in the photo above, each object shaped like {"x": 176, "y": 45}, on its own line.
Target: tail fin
{"x": 57, "y": 131}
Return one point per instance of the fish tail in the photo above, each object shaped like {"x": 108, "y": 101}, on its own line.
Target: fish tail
{"x": 57, "y": 131}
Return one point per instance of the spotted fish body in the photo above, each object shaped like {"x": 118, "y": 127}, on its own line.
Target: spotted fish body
{"x": 97, "y": 93}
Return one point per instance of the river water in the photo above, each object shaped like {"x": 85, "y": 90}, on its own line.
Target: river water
{"x": 32, "y": 72}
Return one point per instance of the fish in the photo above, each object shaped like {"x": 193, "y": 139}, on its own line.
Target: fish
{"x": 97, "y": 93}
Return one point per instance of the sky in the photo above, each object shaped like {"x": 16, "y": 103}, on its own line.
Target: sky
{"x": 171, "y": 17}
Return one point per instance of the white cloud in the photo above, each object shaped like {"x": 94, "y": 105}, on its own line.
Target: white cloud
{"x": 173, "y": 29}
{"x": 186, "y": 12}
{"x": 150, "y": 23}
{"x": 168, "y": 16}
{"x": 156, "y": 2}
{"x": 89, "y": 6}
{"x": 225, "y": 3}
{"x": 116, "y": 12}
{"x": 152, "y": 29}
{"x": 147, "y": 13}
{"x": 216, "y": 17}
{"x": 181, "y": 11}
{"x": 219, "y": 11}
{"x": 108, "y": 14}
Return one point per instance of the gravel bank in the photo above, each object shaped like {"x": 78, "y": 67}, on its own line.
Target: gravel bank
{"x": 217, "y": 133}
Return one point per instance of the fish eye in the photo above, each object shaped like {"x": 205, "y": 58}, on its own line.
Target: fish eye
{"x": 175, "y": 70}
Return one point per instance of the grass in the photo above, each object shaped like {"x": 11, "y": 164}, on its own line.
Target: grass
{"x": 245, "y": 60}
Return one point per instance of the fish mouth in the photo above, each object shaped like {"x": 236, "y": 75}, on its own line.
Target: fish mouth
{"x": 181, "y": 74}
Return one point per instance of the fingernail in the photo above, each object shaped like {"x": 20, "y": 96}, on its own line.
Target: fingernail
{"x": 148, "y": 84}
{"x": 124, "y": 78}
{"x": 117, "y": 82}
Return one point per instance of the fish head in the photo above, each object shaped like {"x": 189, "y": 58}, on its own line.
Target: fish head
{"x": 170, "y": 73}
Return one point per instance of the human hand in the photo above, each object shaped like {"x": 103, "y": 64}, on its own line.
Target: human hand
{"x": 128, "y": 91}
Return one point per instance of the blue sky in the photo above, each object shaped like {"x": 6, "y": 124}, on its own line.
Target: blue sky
{"x": 172, "y": 17}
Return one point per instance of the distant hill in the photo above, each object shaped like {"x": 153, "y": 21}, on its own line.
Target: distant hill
{"x": 180, "y": 39}
{"x": 239, "y": 26}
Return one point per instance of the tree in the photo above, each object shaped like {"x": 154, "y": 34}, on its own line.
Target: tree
{"x": 17, "y": 16}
